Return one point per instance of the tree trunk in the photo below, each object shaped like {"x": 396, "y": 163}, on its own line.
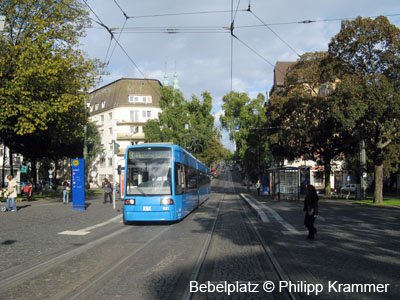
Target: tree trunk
{"x": 10, "y": 158}
{"x": 327, "y": 175}
{"x": 378, "y": 194}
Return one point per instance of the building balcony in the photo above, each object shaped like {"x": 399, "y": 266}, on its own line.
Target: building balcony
{"x": 128, "y": 136}
{"x": 130, "y": 123}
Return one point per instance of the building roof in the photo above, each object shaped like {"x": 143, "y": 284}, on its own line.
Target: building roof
{"x": 280, "y": 71}
{"x": 116, "y": 93}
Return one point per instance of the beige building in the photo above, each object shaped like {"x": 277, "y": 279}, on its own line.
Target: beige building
{"x": 121, "y": 109}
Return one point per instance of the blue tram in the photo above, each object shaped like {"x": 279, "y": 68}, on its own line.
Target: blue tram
{"x": 163, "y": 182}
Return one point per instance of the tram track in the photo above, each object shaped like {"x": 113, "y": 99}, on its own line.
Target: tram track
{"x": 206, "y": 261}
{"x": 136, "y": 250}
{"x": 89, "y": 288}
{"x": 73, "y": 273}
{"x": 13, "y": 278}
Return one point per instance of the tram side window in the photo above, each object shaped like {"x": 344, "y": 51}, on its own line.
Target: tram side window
{"x": 204, "y": 180}
{"x": 192, "y": 179}
{"x": 179, "y": 179}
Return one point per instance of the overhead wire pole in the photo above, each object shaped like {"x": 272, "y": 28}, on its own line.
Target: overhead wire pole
{"x": 231, "y": 30}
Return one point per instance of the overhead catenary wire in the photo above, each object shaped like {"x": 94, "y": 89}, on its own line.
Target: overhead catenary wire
{"x": 119, "y": 44}
{"x": 255, "y": 52}
{"x": 182, "y": 14}
{"x": 112, "y": 37}
{"x": 277, "y": 35}
{"x": 309, "y": 21}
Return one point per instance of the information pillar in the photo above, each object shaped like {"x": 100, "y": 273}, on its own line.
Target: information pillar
{"x": 78, "y": 184}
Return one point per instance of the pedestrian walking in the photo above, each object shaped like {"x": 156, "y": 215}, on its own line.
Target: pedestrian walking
{"x": 311, "y": 209}
{"x": 107, "y": 189}
{"x": 11, "y": 193}
{"x": 66, "y": 190}
{"x": 28, "y": 189}
{"x": 258, "y": 186}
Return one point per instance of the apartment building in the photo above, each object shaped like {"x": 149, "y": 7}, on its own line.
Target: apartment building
{"x": 121, "y": 109}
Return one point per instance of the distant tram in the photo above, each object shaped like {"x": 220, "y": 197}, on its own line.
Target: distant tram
{"x": 163, "y": 182}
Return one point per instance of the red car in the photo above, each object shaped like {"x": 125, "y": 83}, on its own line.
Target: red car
{"x": 214, "y": 172}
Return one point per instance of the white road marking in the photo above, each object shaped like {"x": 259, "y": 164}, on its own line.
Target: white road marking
{"x": 259, "y": 211}
{"x": 87, "y": 230}
{"x": 70, "y": 232}
{"x": 290, "y": 230}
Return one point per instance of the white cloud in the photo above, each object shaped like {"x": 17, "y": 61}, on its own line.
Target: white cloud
{"x": 203, "y": 60}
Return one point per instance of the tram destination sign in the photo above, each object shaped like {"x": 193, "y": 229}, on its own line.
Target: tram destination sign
{"x": 133, "y": 155}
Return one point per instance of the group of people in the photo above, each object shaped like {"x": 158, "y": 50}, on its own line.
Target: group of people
{"x": 11, "y": 193}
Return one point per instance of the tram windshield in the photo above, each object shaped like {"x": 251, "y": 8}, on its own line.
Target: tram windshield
{"x": 148, "y": 171}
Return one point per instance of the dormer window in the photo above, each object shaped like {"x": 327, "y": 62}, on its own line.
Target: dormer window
{"x": 103, "y": 104}
{"x": 96, "y": 106}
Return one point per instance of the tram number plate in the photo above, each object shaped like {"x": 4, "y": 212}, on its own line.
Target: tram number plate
{"x": 146, "y": 208}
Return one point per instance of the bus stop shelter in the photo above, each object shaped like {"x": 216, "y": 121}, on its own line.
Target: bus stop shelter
{"x": 284, "y": 183}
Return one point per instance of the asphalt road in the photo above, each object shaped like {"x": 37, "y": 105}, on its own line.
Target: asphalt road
{"x": 49, "y": 251}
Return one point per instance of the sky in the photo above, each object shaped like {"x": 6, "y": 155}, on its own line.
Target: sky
{"x": 192, "y": 38}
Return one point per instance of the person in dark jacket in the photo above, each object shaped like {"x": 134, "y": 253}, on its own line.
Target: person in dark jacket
{"x": 311, "y": 209}
{"x": 107, "y": 189}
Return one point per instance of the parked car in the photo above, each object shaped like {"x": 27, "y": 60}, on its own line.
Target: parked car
{"x": 214, "y": 172}
{"x": 348, "y": 188}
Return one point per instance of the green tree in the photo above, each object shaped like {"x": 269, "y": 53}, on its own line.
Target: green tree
{"x": 368, "y": 97}
{"x": 44, "y": 77}
{"x": 186, "y": 123}
{"x": 244, "y": 118}
{"x": 303, "y": 115}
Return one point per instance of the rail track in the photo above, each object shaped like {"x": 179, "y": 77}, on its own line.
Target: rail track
{"x": 218, "y": 243}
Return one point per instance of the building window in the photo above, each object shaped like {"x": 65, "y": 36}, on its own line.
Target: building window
{"x": 134, "y": 115}
{"x": 110, "y": 116}
{"x": 96, "y": 106}
{"x": 102, "y": 118}
{"x": 110, "y": 131}
{"x": 102, "y": 162}
{"x": 103, "y": 104}
{"x": 140, "y": 99}
{"x": 110, "y": 162}
{"x": 146, "y": 114}
{"x": 134, "y": 129}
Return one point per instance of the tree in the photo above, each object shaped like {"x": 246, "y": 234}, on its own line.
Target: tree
{"x": 186, "y": 123}
{"x": 369, "y": 51}
{"x": 44, "y": 77}
{"x": 303, "y": 114}
{"x": 245, "y": 120}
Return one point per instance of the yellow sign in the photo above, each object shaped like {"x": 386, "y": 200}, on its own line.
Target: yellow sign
{"x": 75, "y": 163}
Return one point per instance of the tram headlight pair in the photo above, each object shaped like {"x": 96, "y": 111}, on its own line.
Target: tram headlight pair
{"x": 166, "y": 201}
{"x": 130, "y": 201}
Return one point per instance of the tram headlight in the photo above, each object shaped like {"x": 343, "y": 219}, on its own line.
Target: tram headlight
{"x": 130, "y": 201}
{"x": 166, "y": 201}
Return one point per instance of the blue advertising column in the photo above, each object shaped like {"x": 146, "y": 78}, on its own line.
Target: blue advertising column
{"x": 78, "y": 184}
